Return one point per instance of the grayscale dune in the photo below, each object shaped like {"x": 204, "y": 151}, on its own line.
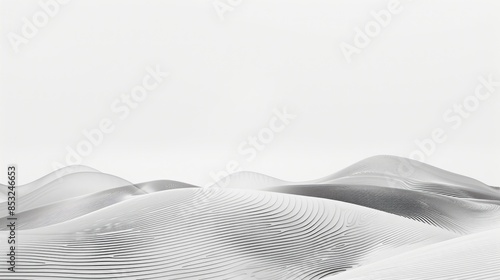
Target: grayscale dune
{"x": 53, "y": 176}
{"x": 449, "y": 213}
{"x": 368, "y": 221}
{"x": 231, "y": 234}
{"x": 470, "y": 257}
{"x": 68, "y": 186}
{"x": 392, "y": 171}
{"x": 162, "y": 185}
{"x": 398, "y": 166}
{"x": 382, "y": 171}
{"x": 78, "y": 206}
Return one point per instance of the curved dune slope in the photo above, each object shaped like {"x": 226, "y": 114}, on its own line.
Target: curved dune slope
{"x": 471, "y": 257}
{"x": 66, "y": 187}
{"x": 456, "y": 215}
{"x": 397, "y": 172}
{"x": 53, "y": 176}
{"x": 78, "y": 206}
{"x": 226, "y": 233}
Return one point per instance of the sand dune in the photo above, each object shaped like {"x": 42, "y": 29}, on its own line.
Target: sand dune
{"x": 53, "y": 176}
{"x": 367, "y": 221}
{"x": 470, "y": 257}
{"x": 189, "y": 234}
{"x": 66, "y": 187}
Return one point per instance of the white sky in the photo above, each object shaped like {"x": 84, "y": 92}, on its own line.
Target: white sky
{"x": 227, "y": 76}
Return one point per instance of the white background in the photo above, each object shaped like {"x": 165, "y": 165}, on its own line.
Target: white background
{"x": 228, "y": 74}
